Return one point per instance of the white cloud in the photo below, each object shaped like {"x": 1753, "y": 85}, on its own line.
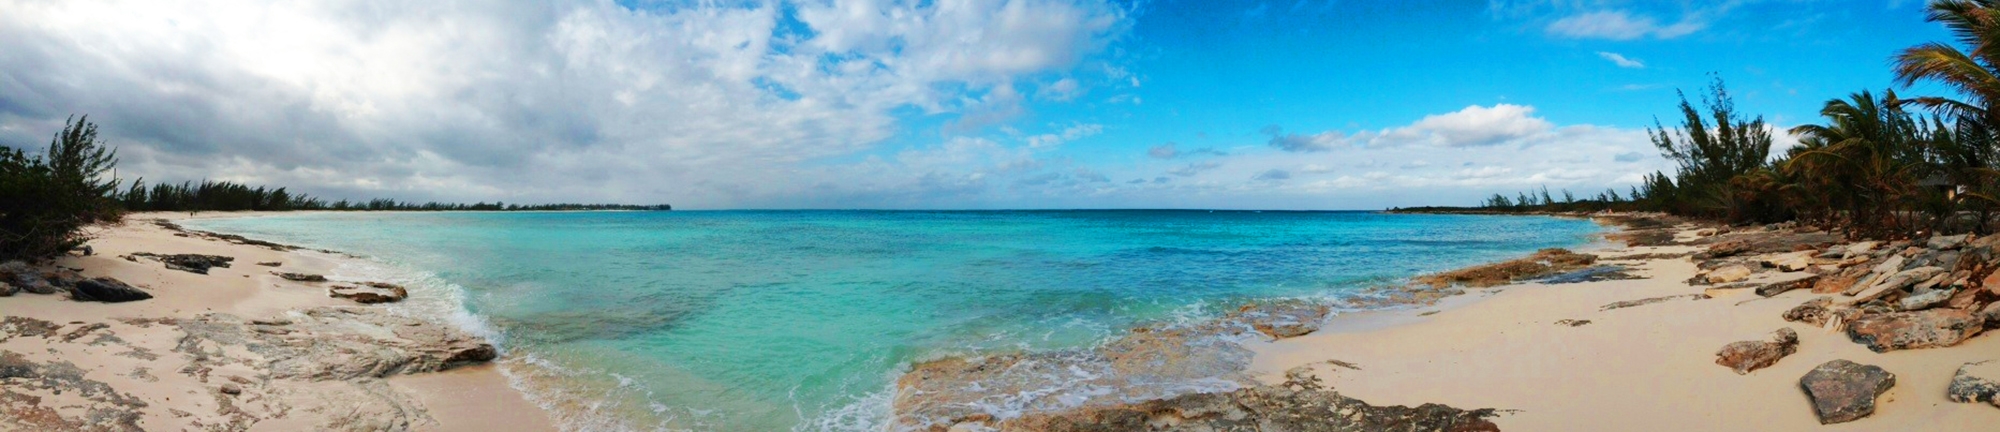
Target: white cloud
{"x": 1072, "y": 133}
{"x": 1620, "y": 60}
{"x": 697, "y": 104}
{"x": 1473, "y": 126}
{"x": 1621, "y": 25}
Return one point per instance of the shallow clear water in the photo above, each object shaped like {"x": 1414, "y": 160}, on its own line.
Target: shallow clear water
{"x": 800, "y": 320}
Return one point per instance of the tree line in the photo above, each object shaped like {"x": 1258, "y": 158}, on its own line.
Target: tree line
{"x": 1877, "y": 164}
{"x": 230, "y": 196}
{"x": 47, "y": 199}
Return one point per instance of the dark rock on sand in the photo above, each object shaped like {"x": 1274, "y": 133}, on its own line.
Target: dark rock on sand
{"x": 1593, "y": 274}
{"x": 1723, "y": 249}
{"x": 107, "y": 290}
{"x": 1572, "y": 322}
{"x": 1821, "y": 312}
{"x": 8, "y": 289}
{"x": 1746, "y": 356}
{"x": 270, "y": 263}
{"x": 26, "y": 278}
{"x": 1976, "y": 382}
{"x": 1843, "y": 391}
{"x": 1297, "y": 405}
{"x": 1283, "y": 319}
{"x": 1647, "y": 301}
{"x": 191, "y": 263}
{"x": 1543, "y": 263}
{"x": 1775, "y": 288}
{"x": 1914, "y": 330}
{"x": 300, "y": 277}
{"x": 370, "y": 293}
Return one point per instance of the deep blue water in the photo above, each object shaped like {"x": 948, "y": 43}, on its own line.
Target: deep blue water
{"x": 800, "y": 320}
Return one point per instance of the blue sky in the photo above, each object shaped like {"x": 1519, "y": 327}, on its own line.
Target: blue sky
{"x": 936, "y": 104}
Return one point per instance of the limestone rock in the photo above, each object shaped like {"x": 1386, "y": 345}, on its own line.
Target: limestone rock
{"x": 1860, "y": 249}
{"x": 1283, "y": 319}
{"x": 1914, "y": 330}
{"x": 1926, "y": 299}
{"x": 332, "y": 343}
{"x": 300, "y": 277}
{"x": 1734, "y": 273}
{"x": 1882, "y": 270}
{"x": 1893, "y": 285}
{"x": 191, "y": 263}
{"x": 1976, "y": 382}
{"x": 1723, "y": 249}
{"x": 106, "y": 290}
{"x": 370, "y": 293}
{"x": 1775, "y": 288}
{"x": 1843, "y": 391}
{"x": 1746, "y": 356}
{"x": 1297, "y": 405}
{"x": 1791, "y": 262}
{"x": 1946, "y": 242}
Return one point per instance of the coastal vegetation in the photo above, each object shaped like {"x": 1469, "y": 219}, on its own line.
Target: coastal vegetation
{"x": 1877, "y": 164}
{"x": 47, "y": 199}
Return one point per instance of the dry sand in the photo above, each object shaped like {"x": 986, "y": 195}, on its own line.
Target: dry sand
{"x": 1643, "y": 368}
{"x": 144, "y": 365}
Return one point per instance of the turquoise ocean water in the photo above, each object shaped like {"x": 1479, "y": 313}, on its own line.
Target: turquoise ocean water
{"x": 801, "y": 320}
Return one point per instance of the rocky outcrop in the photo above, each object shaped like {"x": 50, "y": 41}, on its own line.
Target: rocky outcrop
{"x": 1282, "y": 319}
{"x": 1843, "y": 391}
{"x": 1647, "y": 301}
{"x": 191, "y": 263}
{"x": 1976, "y": 382}
{"x": 1892, "y": 286}
{"x": 331, "y": 343}
{"x": 1822, "y": 312}
{"x": 300, "y": 277}
{"x": 1775, "y": 288}
{"x": 370, "y": 292}
{"x": 1790, "y": 262}
{"x": 1724, "y": 249}
{"x": 1734, "y": 273}
{"x": 1294, "y": 406}
{"x": 106, "y": 290}
{"x": 1746, "y": 356}
{"x": 1927, "y": 299}
{"x": 1914, "y": 330}
{"x": 27, "y": 278}
{"x": 1592, "y": 274}
{"x": 1543, "y": 263}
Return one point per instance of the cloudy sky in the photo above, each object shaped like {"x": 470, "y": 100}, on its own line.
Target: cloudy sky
{"x": 1277, "y": 104}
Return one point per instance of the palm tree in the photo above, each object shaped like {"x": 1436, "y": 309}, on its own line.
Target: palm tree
{"x": 1976, "y": 25}
{"x": 1865, "y": 162}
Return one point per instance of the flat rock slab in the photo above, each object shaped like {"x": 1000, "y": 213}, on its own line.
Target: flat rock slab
{"x": 1746, "y": 356}
{"x": 1844, "y": 391}
{"x": 1931, "y": 328}
{"x": 1976, "y": 382}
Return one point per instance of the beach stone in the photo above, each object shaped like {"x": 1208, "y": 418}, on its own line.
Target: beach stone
{"x": 1888, "y": 267}
{"x": 1839, "y": 282}
{"x": 1991, "y": 315}
{"x": 370, "y": 293}
{"x": 1946, "y": 242}
{"x": 270, "y": 263}
{"x": 1859, "y": 249}
{"x": 1746, "y": 356}
{"x": 1930, "y": 328}
{"x": 1734, "y": 273}
{"x": 8, "y": 289}
{"x": 300, "y": 277}
{"x": 1775, "y": 288}
{"x": 1300, "y": 404}
{"x": 1895, "y": 284}
{"x": 1791, "y": 262}
{"x": 1926, "y": 299}
{"x": 1283, "y": 319}
{"x": 1725, "y": 248}
{"x": 1844, "y": 391}
{"x": 106, "y": 290}
{"x": 191, "y": 263}
{"x": 1976, "y": 382}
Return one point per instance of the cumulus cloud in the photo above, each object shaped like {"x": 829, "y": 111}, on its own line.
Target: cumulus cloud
{"x": 1072, "y": 133}
{"x": 1620, "y": 60}
{"x": 1163, "y": 151}
{"x": 1621, "y": 25}
{"x": 1470, "y": 127}
{"x": 697, "y": 104}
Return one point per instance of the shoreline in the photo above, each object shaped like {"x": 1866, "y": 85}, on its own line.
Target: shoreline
{"x": 141, "y": 351}
{"x": 1619, "y": 353}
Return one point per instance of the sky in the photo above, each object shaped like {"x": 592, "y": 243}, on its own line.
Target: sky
{"x": 935, "y": 104}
